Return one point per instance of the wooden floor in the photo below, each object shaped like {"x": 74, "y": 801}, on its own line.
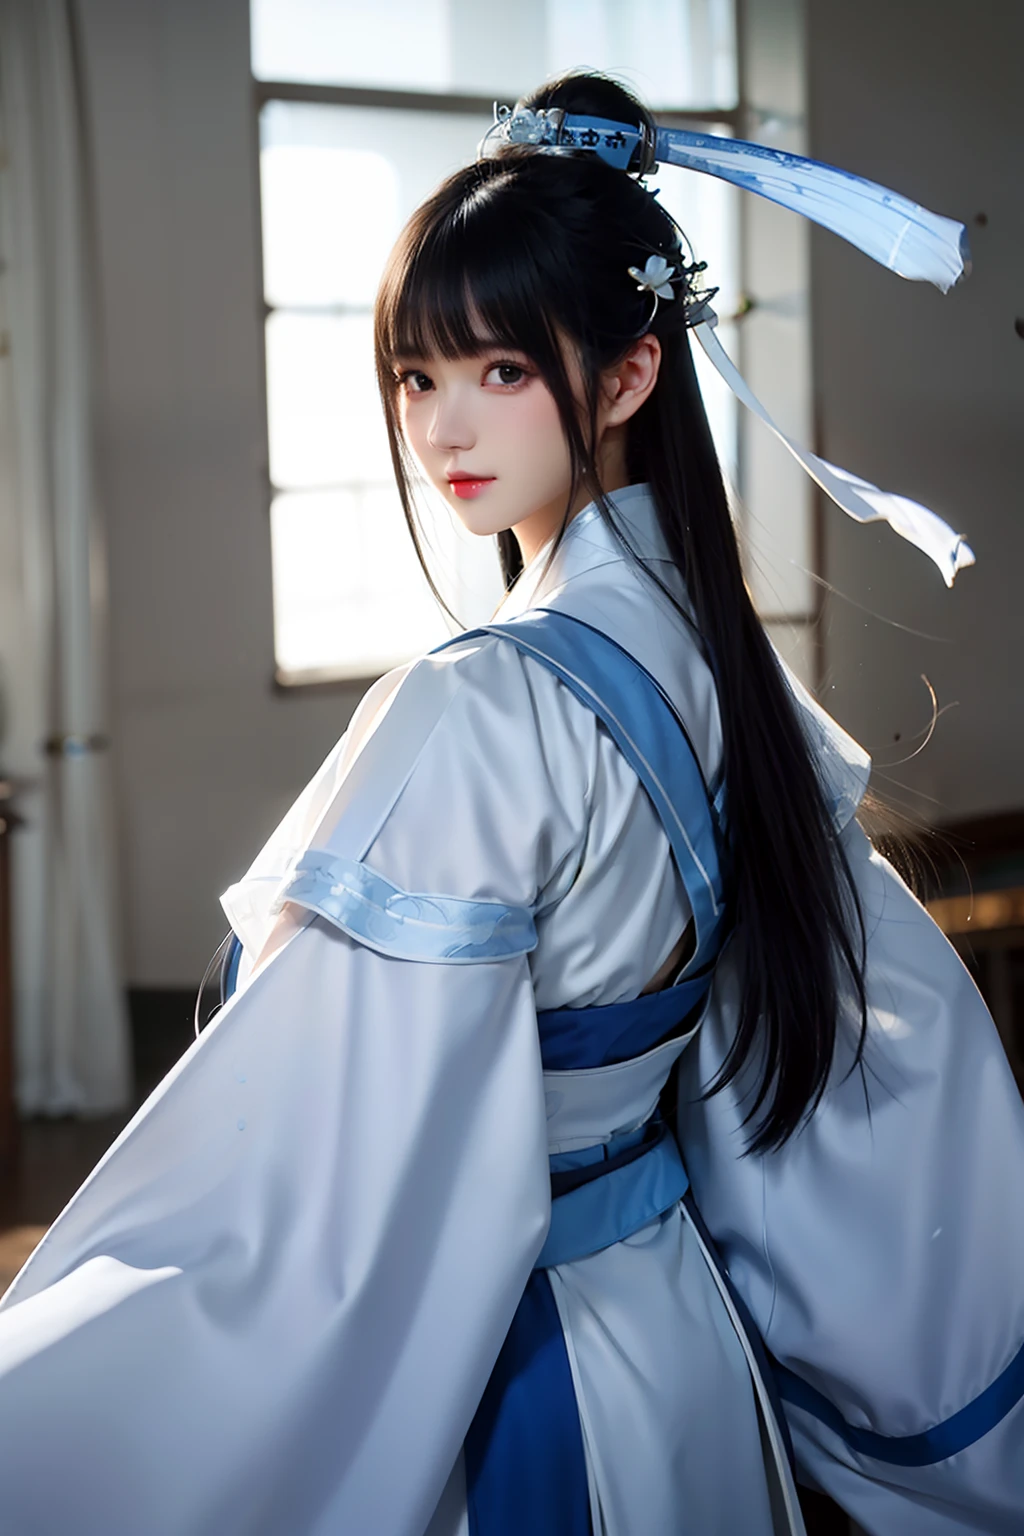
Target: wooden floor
{"x": 55, "y": 1155}
{"x": 53, "y": 1158}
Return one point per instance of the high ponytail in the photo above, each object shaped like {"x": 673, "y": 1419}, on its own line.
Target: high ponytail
{"x": 536, "y": 248}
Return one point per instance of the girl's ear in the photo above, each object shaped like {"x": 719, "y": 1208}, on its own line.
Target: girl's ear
{"x": 626, "y": 385}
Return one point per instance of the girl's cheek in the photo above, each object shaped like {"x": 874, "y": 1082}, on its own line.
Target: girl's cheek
{"x": 410, "y": 422}
{"x": 539, "y": 417}
{"x": 535, "y": 411}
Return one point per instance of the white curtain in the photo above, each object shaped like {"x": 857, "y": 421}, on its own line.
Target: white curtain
{"x": 71, "y": 1042}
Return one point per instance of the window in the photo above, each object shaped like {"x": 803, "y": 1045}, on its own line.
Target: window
{"x": 337, "y": 183}
{"x": 363, "y": 110}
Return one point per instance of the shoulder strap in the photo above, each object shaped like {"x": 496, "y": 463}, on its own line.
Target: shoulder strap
{"x": 641, "y": 720}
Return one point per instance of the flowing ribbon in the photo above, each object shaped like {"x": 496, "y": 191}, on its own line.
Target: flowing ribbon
{"x": 891, "y": 229}
{"x": 899, "y": 234}
{"x": 859, "y": 498}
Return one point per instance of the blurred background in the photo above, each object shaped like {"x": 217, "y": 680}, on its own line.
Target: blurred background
{"x": 202, "y": 562}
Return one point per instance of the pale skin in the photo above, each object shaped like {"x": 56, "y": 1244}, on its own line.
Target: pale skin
{"x": 489, "y": 423}
{"x": 492, "y": 416}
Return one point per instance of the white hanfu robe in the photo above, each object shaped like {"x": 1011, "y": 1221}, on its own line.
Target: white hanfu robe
{"x": 275, "y": 1304}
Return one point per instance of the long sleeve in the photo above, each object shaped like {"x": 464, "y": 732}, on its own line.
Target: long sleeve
{"x": 881, "y": 1251}
{"x": 275, "y": 1303}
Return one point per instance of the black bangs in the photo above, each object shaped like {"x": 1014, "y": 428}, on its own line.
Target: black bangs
{"x": 462, "y": 281}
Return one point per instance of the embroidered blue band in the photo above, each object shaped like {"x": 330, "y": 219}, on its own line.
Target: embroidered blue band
{"x": 954, "y": 1434}
{"x": 408, "y": 925}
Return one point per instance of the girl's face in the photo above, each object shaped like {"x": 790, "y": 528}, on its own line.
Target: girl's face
{"x": 486, "y": 432}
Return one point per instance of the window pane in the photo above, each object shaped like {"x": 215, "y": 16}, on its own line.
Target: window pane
{"x": 324, "y": 414}
{"x": 388, "y": 43}
{"x": 350, "y": 599}
{"x": 338, "y": 183}
{"x": 679, "y": 53}
{"x": 330, "y": 216}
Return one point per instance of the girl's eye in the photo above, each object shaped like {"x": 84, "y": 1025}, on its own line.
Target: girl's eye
{"x": 505, "y": 373}
{"x": 414, "y": 382}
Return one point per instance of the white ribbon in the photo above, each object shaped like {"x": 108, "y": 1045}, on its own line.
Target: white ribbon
{"x": 859, "y": 498}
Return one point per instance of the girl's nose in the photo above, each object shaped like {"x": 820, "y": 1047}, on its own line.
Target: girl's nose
{"x": 451, "y": 429}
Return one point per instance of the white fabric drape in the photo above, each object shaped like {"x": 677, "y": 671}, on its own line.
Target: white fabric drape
{"x": 72, "y": 1039}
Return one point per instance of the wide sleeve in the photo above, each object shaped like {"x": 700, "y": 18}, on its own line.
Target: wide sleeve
{"x": 881, "y": 1251}
{"x": 276, "y": 1302}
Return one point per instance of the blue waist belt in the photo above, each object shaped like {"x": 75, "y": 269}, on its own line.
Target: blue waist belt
{"x": 611, "y": 1199}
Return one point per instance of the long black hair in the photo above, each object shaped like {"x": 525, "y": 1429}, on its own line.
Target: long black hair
{"x": 532, "y": 251}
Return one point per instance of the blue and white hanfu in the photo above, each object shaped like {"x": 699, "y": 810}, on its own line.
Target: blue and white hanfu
{"x": 287, "y": 1298}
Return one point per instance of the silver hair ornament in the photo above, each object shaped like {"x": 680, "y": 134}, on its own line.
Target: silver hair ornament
{"x": 522, "y": 125}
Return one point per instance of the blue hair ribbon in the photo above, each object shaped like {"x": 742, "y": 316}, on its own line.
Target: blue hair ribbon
{"x": 886, "y": 226}
{"x": 891, "y": 229}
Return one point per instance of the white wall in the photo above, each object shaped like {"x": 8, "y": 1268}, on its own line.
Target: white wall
{"x": 925, "y": 394}
{"x": 207, "y": 753}
{"x": 920, "y": 393}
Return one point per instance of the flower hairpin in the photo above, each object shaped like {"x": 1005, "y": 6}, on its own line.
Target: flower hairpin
{"x": 658, "y": 276}
{"x": 655, "y": 278}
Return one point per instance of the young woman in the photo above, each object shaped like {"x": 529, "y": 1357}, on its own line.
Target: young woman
{"x": 406, "y": 1242}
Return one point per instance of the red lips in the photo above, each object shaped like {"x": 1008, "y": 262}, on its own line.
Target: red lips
{"x": 468, "y": 486}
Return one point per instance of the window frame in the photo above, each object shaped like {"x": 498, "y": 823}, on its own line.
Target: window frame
{"x": 743, "y": 121}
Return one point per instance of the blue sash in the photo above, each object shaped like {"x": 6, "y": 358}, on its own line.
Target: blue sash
{"x": 525, "y": 1465}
